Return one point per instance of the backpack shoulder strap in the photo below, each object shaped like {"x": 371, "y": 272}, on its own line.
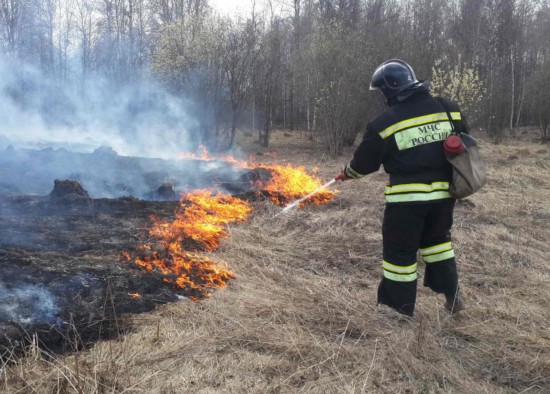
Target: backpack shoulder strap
{"x": 442, "y": 102}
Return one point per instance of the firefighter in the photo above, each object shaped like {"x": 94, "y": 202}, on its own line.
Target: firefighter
{"x": 407, "y": 139}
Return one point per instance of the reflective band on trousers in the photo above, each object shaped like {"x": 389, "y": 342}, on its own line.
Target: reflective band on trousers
{"x": 420, "y": 120}
{"x": 436, "y": 248}
{"x": 434, "y": 258}
{"x": 437, "y": 253}
{"x": 411, "y": 192}
{"x": 399, "y": 273}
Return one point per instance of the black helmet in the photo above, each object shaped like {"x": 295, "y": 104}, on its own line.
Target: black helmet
{"x": 393, "y": 77}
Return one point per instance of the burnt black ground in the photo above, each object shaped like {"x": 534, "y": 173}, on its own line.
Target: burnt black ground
{"x": 66, "y": 253}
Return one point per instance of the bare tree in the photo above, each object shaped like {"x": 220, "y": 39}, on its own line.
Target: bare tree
{"x": 340, "y": 85}
{"x": 17, "y": 22}
{"x": 84, "y": 11}
{"x": 240, "y": 54}
{"x": 190, "y": 62}
{"x": 168, "y": 11}
{"x": 268, "y": 76}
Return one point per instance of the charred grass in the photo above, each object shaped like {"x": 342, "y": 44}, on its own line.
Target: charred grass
{"x": 302, "y": 315}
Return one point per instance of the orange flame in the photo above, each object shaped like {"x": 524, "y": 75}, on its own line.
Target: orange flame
{"x": 288, "y": 183}
{"x": 188, "y": 270}
{"x": 125, "y": 256}
{"x": 201, "y": 221}
{"x": 203, "y": 155}
{"x": 202, "y": 217}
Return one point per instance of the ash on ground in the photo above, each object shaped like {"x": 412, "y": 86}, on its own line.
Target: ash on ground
{"x": 61, "y": 280}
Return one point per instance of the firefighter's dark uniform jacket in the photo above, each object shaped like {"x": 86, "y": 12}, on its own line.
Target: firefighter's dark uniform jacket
{"x": 407, "y": 140}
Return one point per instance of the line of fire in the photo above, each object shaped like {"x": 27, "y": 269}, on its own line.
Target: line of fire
{"x": 74, "y": 263}
{"x": 200, "y": 223}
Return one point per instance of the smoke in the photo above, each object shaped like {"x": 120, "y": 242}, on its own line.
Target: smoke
{"x": 104, "y": 174}
{"x": 27, "y": 304}
{"x": 91, "y": 131}
{"x": 138, "y": 119}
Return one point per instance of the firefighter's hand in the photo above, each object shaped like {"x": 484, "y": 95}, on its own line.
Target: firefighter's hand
{"x": 342, "y": 176}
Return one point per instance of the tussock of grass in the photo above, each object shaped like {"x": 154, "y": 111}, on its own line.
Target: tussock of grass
{"x": 302, "y": 314}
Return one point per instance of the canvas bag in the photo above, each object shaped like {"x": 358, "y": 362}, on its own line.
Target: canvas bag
{"x": 469, "y": 173}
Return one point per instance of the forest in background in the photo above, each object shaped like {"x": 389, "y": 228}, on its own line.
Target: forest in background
{"x": 306, "y": 68}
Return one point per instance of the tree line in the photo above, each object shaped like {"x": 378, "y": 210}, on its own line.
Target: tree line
{"x": 305, "y": 68}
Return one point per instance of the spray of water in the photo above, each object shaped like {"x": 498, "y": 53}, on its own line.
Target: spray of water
{"x": 301, "y": 200}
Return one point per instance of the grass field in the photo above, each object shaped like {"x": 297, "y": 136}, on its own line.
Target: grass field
{"x": 302, "y": 316}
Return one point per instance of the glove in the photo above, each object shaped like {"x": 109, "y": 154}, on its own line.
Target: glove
{"x": 342, "y": 176}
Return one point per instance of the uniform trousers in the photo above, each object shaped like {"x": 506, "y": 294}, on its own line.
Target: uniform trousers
{"x": 410, "y": 230}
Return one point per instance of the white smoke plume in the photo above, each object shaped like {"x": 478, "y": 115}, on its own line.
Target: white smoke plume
{"x": 140, "y": 119}
{"x": 27, "y": 304}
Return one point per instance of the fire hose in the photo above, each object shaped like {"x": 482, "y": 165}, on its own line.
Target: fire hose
{"x": 301, "y": 200}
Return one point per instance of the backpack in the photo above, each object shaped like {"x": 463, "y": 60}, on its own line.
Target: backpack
{"x": 461, "y": 151}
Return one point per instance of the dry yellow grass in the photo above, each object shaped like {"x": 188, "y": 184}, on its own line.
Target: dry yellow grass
{"x": 302, "y": 315}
